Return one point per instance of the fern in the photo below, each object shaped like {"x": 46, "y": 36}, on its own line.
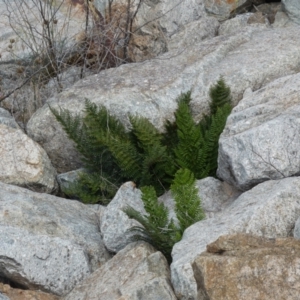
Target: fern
{"x": 142, "y": 153}
{"x": 190, "y": 138}
{"x": 220, "y": 95}
{"x": 92, "y": 188}
{"x": 188, "y": 205}
{"x": 156, "y": 228}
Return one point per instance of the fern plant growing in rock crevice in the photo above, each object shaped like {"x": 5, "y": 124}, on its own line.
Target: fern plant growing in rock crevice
{"x": 156, "y": 228}
{"x": 112, "y": 155}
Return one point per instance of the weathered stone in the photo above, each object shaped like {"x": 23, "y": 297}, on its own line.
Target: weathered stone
{"x": 249, "y": 151}
{"x": 3, "y": 297}
{"x": 18, "y": 294}
{"x": 244, "y": 267}
{"x": 25, "y": 101}
{"x": 282, "y": 20}
{"x": 234, "y": 25}
{"x": 269, "y": 10}
{"x": 215, "y": 197}
{"x": 171, "y": 15}
{"x": 20, "y": 46}
{"x": 53, "y": 217}
{"x": 115, "y": 223}
{"x": 41, "y": 262}
{"x": 251, "y": 58}
{"x": 136, "y": 272}
{"x": 297, "y": 229}
{"x": 7, "y": 119}
{"x": 292, "y": 8}
{"x": 15, "y": 25}
{"x": 155, "y": 22}
{"x": 258, "y": 18}
{"x": 223, "y": 9}
{"x": 23, "y": 162}
{"x": 66, "y": 180}
{"x": 194, "y": 32}
{"x": 270, "y": 209}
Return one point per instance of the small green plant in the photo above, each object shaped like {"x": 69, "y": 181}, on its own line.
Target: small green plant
{"x": 112, "y": 155}
{"x": 156, "y": 228}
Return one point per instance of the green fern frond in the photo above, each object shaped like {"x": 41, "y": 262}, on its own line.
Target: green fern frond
{"x": 93, "y": 188}
{"x": 190, "y": 138}
{"x": 211, "y": 145}
{"x": 155, "y": 226}
{"x": 142, "y": 153}
{"x": 220, "y": 95}
{"x": 126, "y": 156}
{"x": 98, "y": 118}
{"x": 188, "y": 204}
{"x": 72, "y": 125}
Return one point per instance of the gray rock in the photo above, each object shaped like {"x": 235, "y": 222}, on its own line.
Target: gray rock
{"x": 115, "y": 223}
{"x": 194, "y": 32}
{"x": 296, "y": 232}
{"x": 269, "y": 10}
{"x": 3, "y": 297}
{"x": 41, "y": 262}
{"x": 270, "y": 209}
{"x": 282, "y": 20}
{"x": 136, "y": 272}
{"x": 25, "y": 163}
{"x": 235, "y": 24}
{"x": 171, "y": 15}
{"x": 292, "y": 8}
{"x": 11, "y": 13}
{"x": 65, "y": 180}
{"x": 223, "y": 9}
{"x": 251, "y": 58}
{"x": 7, "y": 119}
{"x": 42, "y": 214}
{"x": 261, "y": 139}
{"x": 215, "y": 197}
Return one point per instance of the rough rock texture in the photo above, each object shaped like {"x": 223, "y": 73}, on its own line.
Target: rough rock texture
{"x": 53, "y": 217}
{"x": 282, "y": 20}
{"x": 251, "y": 58}
{"x": 65, "y": 180}
{"x": 3, "y": 297}
{"x": 25, "y": 163}
{"x": 269, "y": 10}
{"x": 136, "y": 272}
{"x": 74, "y": 17}
{"x": 223, "y": 9}
{"x": 234, "y": 25}
{"x": 270, "y": 209}
{"x": 297, "y": 229}
{"x": 215, "y": 197}
{"x": 41, "y": 262}
{"x": 194, "y": 32}
{"x": 171, "y": 15}
{"x": 243, "y": 267}
{"x": 24, "y": 102}
{"x": 292, "y": 7}
{"x": 115, "y": 223}
{"x": 18, "y": 294}
{"x": 7, "y": 119}
{"x": 261, "y": 139}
